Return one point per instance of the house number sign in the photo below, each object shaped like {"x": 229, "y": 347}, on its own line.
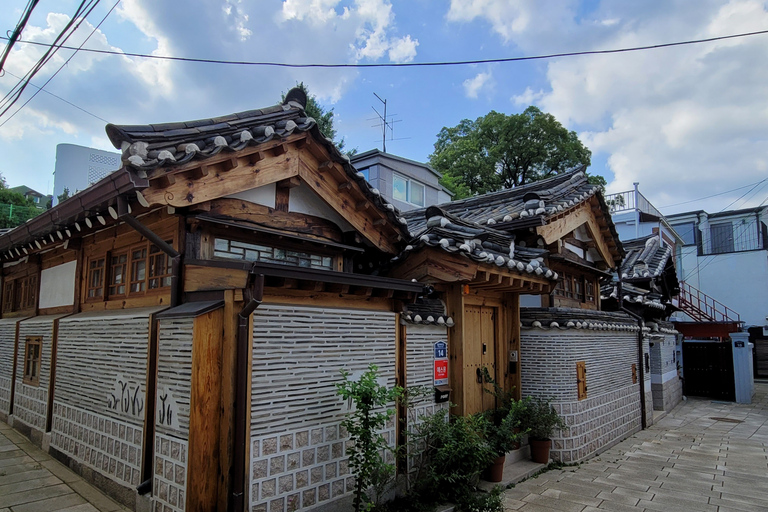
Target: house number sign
{"x": 441, "y": 363}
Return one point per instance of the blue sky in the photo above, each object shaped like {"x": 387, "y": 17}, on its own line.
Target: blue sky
{"x": 685, "y": 122}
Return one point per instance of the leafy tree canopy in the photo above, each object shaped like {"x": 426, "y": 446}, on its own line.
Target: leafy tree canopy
{"x": 323, "y": 117}
{"x": 499, "y": 151}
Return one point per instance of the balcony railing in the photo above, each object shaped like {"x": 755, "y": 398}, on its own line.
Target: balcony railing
{"x": 703, "y": 308}
{"x": 629, "y": 201}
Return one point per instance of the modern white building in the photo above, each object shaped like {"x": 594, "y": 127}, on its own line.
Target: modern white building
{"x": 78, "y": 167}
{"x": 725, "y": 255}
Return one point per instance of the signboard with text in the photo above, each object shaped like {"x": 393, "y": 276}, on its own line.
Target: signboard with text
{"x": 441, "y": 363}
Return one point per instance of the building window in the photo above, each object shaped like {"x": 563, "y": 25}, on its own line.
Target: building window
{"x": 577, "y": 287}
{"x": 32, "y": 360}
{"x": 235, "y": 250}
{"x": 581, "y": 379}
{"x": 687, "y": 232}
{"x": 20, "y": 294}
{"x": 407, "y": 190}
{"x": 96, "y": 269}
{"x": 722, "y": 237}
{"x": 141, "y": 269}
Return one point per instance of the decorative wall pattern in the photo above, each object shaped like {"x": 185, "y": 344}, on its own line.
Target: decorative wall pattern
{"x": 174, "y": 380}
{"x": 170, "y": 485}
{"x": 98, "y": 415}
{"x": 7, "y": 341}
{"x": 31, "y": 402}
{"x": 611, "y": 410}
{"x": 298, "y": 456}
{"x": 666, "y": 386}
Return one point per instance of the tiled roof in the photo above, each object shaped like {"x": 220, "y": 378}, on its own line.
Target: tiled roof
{"x": 645, "y": 259}
{"x": 572, "y": 318}
{"x": 426, "y": 311}
{"x": 479, "y": 243}
{"x": 503, "y": 209}
{"x": 150, "y": 148}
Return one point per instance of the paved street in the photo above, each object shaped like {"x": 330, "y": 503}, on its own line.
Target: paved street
{"x": 32, "y": 481}
{"x": 703, "y": 456}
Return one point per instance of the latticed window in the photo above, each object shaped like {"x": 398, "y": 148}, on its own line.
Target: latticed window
{"x": 117, "y": 274}
{"x": 20, "y": 294}
{"x": 96, "y": 271}
{"x": 32, "y": 360}
{"x": 142, "y": 268}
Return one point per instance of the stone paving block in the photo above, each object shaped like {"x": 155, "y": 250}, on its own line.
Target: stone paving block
{"x": 553, "y": 503}
{"x": 27, "y": 485}
{"x": 560, "y": 494}
{"x": 60, "y": 470}
{"x": 84, "y": 507}
{"x": 94, "y": 496}
{"x": 667, "y": 503}
{"x": 51, "y": 504}
{"x": 618, "y": 498}
{"x": 18, "y": 498}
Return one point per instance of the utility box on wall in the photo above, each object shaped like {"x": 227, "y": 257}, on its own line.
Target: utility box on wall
{"x": 442, "y": 394}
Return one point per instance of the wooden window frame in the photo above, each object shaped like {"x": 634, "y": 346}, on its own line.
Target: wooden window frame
{"x": 154, "y": 265}
{"x": 102, "y": 286}
{"x": 112, "y": 255}
{"x": 32, "y": 363}
{"x": 20, "y": 294}
{"x": 9, "y": 287}
{"x": 581, "y": 380}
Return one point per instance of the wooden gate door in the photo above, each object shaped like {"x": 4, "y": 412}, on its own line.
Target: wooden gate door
{"x": 479, "y": 353}
{"x": 708, "y": 370}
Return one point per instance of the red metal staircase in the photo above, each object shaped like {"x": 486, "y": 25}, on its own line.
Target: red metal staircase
{"x": 703, "y": 308}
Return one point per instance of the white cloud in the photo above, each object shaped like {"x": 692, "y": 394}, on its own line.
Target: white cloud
{"x": 685, "y": 122}
{"x": 473, "y": 86}
{"x": 403, "y": 49}
{"x": 528, "y": 97}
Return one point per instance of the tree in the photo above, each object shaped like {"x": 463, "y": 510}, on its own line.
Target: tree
{"x": 15, "y": 209}
{"x": 63, "y": 196}
{"x": 323, "y": 117}
{"x": 499, "y": 151}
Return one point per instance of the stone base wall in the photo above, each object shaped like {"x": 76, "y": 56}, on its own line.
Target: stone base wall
{"x": 110, "y": 446}
{"x": 30, "y": 404}
{"x": 666, "y": 396}
{"x": 596, "y": 423}
{"x": 169, "y": 489}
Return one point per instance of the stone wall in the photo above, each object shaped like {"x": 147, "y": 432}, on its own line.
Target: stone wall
{"x": 666, "y": 386}
{"x": 30, "y": 405}
{"x": 174, "y": 380}
{"x": 298, "y": 458}
{"x": 98, "y": 416}
{"x": 7, "y": 343}
{"x": 611, "y": 410}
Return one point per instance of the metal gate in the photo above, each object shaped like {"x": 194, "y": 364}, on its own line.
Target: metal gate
{"x": 760, "y": 355}
{"x": 708, "y": 370}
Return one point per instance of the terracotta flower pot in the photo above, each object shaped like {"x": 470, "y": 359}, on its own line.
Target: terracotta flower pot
{"x": 495, "y": 472}
{"x": 540, "y": 450}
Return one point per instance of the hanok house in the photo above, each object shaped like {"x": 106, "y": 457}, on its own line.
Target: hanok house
{"x": 645, "y": 284}
{"x": 174, "y": 332}
{"x": 544, "y": 246}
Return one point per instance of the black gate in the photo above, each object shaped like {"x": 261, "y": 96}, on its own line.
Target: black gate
{"x": 760, "y": 352}
{"x": 708, "y": 370}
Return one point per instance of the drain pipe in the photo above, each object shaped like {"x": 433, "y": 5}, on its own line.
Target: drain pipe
{"x": 125, "y": 216}
{"x": 640, "y": 362}
{"x": 253, "y": 293}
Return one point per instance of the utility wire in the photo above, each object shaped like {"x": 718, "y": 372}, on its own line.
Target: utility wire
{"x": 407, "y": 64}
{"x": 63, "y": 65}
{"x": 17, "y": 31}
{"x": 710, "y": 196}
{"x": 62, "y": 99}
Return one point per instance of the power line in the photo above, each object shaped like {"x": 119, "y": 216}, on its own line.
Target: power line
{"x": 17, "y": 31}
{"x": 62, "y": 99}
{"x": 65, "y": 62}
{"x": 407, "y": 64}
{"x": 710, "y": 196}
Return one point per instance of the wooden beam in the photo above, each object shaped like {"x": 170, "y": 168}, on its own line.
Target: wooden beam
{"x": 362, "y": 205}
{"x": 345, "y": 185}
{"x": 291, "y": 182}
{"x": 455, "y": 308}
{"x": 279, "y": 149}
{"x": 282, "y": 198}
{"x": 325, "y": 166}
{"x": 579, "y": 216}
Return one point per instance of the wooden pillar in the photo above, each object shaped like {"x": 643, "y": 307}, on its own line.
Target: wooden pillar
{"x": 205, "y": 407}
{"x": 227, "y": 400}
{"x": 455, "y": 306}
{"x": 512, "y": 379}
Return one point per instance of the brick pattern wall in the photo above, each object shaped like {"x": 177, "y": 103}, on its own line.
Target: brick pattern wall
{"x": 170, "y": 486}
{"x": 420, "y": 341}
{"x": 108, "y": 445}
{"x": 100, "y": 391}
{"x": 31, "y": 402}
{"x": 174, "y": 379}
{"x": 611, "y": 410}
{"x": 7, "y": 342}
{"x": 298, "y": 456}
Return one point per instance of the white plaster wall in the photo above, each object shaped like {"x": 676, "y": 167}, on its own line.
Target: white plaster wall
{"x": 57, "y": 285}
{"x": 738, "y": 280}
{"x": 262, "y": 195}
{"x": 303, "y": 200}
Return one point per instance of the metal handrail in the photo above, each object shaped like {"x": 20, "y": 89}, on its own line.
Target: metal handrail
{"x": 703, "y": 308}
{"x": 625, "y": 201}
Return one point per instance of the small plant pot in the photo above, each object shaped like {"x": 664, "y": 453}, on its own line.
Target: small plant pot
{"x": 540, "y": 450}
{"x": 495, "y": 472}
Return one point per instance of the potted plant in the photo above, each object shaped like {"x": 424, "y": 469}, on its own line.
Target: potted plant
{"x": 540, "y": 419}
{"x": 503, "y": 434}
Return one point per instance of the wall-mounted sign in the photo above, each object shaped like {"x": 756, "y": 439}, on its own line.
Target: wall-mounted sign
{"x": 441, "y": 363}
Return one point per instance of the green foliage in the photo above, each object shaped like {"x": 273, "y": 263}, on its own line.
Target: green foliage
{"x": 323, "y": 117}
{"x": 499, "y": 151}
{"x": 64, "y": 195}
{"x": 455, "y": 453}
{"x": 483, "y": 502}
{"x": 15, "y": 209}
{"x": 363, "y": 422}
{"x": 503, "y": 429}
{"x": 540, "y": 418}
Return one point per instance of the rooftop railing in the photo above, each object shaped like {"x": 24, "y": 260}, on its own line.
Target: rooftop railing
{"x": 629, "y": 201}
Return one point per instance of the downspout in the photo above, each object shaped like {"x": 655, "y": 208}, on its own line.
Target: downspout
{"x": 125, "y": 216}
{"x": 253, "y": 293}
{"x": 640, "y": 362}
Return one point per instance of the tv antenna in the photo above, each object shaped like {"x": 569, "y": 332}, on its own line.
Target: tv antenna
{"x": 385, "y": 123}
